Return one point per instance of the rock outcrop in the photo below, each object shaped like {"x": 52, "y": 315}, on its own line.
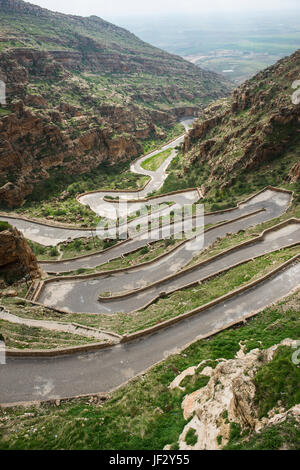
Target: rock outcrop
{"x": 227, "y": 398}
{"x": 16, "y": 256}
{"x": 32, "y": 145}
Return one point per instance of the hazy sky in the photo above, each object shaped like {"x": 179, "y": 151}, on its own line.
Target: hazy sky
{"x": 116, "y": 8}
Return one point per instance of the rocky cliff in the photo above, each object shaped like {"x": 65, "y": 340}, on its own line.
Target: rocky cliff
{"x": 257, "y": 127}
{"x": 229, "y": 397}
{"x": 16, "y": 257}
{"x": 81, "y": 91}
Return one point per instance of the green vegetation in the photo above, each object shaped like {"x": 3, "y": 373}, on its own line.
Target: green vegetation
{"x": 4, "y": 226}
{"x": 191, "y": 437}
{"x": 55, "y": 197}
{"x": 146, "y": 414}
{"x": 151, "y": 144}
{"x": 53, "y": 252}
{"x": 155, "y": 162}
{"x": 4, "y": 111}
{"x": 86, "y": 246}
{"x": 271, "y": 173}
{"x": 277, "y": 381}
{"x": 72, "y": 249}
{"x": 281, "y": 436}
{"x": 28, "y": 337}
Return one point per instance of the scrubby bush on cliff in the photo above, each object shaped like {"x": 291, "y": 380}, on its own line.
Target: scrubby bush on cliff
{"x": 4, "y": 226}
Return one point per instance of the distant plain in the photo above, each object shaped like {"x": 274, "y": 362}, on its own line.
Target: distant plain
{"x": 236, "y": 45}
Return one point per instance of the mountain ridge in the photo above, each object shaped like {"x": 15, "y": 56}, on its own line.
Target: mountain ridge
{"x": 81, "y": 91}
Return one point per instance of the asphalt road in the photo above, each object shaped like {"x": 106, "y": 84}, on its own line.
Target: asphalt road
{"x": 40, "y": 379}
{"x": 26, "y": 379}
{"x": 272, "y": 242}
{"x": 81, "y": 295}
{"x": 44, "y": 234}
{"x": 95, "y": 200}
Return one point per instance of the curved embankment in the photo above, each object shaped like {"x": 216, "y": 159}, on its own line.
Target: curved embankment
{"x": 56, "y": 326}
{"x": 141, "y": 239}
{"x": 51, "y": 234}
{"x": 283, "y": 236}
{"x": 29, "y": 379}
{"x": 80, "y": 294}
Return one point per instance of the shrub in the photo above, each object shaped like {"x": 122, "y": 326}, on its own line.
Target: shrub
{"x": 54, "y": 251}
{"x": 145, "y": 250}
{"x": 277, "y": 380}
{"x": 78, "y": 245}
{"x": 191, "y": 437}
{"x": 4, "y": 226}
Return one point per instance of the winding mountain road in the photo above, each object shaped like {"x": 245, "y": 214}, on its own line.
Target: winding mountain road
{"x": 81, "y": 295}
{"x": 27, "y": 379}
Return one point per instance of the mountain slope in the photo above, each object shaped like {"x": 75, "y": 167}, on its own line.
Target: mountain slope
{"x": 81, "y": 91}
{"x": 247, "y": 141}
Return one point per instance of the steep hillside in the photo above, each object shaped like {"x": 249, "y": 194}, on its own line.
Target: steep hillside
{"x": 244, "y": 142}
{"x": 81, "y": 91}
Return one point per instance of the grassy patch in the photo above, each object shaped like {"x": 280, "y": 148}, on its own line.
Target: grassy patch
{"x": 279, "y": 380}
{"x": 4, "y": 226}
{"x": 72, "y": 249}
{"x": 4, "y": 111}
{"x": 284, "y": 436}
{"x": 155, "y": 162}
{"x": 191, "y": 437}
{"x": 28, "y": 337}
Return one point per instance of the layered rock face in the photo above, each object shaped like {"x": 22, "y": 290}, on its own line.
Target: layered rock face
{"x": 81, "y": 91}
{"x": 32, "y": 145}
{"x": 257, "y": 125}
{"x": 229, "y": 397}
{"x": 16, "y": 256}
